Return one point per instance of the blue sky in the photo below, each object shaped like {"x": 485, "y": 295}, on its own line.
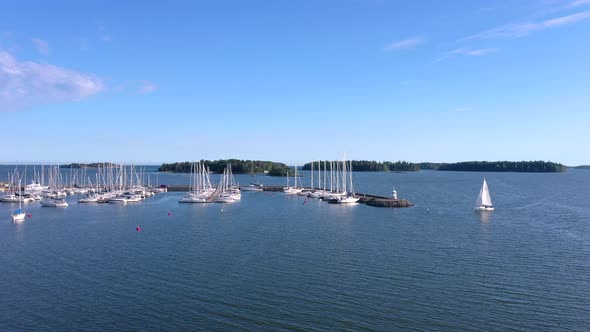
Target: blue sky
{"x": 293, "y": 81}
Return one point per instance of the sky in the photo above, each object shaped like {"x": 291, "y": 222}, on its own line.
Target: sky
{"x": 293, "y": 81}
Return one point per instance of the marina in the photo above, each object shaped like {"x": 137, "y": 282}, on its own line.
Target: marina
{"x": 126, "y": 184}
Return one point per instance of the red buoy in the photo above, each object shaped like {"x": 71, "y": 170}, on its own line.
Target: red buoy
{"x": 138, "y": 228}
{"x": 169, "y": 213}
{"x": 29, "y": 215}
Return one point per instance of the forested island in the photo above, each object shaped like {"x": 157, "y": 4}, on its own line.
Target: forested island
{"x": 537, "y": 166}
{"x": 90, "y": 165}
{"x": 371, "y": 166}
{"x": 280, "y": 169}
{"x": 468, "y": 166}
{"x": 237, "y": 166}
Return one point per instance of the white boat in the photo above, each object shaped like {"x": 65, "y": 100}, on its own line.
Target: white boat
{"x": 13, "y": 198}
{"x": 89, "y": 199}
{"x": 224, "y": 198}
{"x": 484, "y": 200}
{"x": 227, "y": 191}
{"x": 54, "y": 202}
{"x": 295, "y": 189}
{"x": 252, "y": 187}
{"x": 200, "y": 188}
{"x": 346, "y": 200}
{"x": 118, "y": 200}
{"x": 18, "y": 215}
{"x": 194, "y": 198}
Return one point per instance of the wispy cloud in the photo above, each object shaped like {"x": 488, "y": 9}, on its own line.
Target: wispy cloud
{"x": 42, "y": 45}
{"x": 147, "y": 87}
{"x": 466, "y": 51}
{"x": 578, "y": 3}
{"x": 405, "y": 44}
{"x": 24, "y": 84}
{"x": 102, "y": 32}
{"x": 523, "y": 29}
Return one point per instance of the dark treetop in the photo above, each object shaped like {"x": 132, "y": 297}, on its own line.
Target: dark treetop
{"x": 237, "y": 166}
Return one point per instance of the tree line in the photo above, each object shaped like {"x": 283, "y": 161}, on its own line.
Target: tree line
{"x": 472, "y": 166}
{"x": 504, "y": 166}
{"x": 238, "y": 166}
{"x": 372, "y": 166}
{"x": 89, "y": 165}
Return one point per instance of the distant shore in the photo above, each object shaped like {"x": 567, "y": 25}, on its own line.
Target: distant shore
{"x": 280, "y": 169}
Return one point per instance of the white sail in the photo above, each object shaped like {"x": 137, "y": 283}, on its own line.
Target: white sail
{"x": 484, "y": 200}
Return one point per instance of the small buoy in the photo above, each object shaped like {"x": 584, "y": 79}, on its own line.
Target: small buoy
{"x": 138, "y": 228}
{"x": 29, "y": 215}
{"x": 221, "y": 210}
{"x": 169, "y": 213}
{"x": 427, "y": 210}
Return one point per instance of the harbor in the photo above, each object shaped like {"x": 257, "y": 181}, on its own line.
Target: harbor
{"x": 129, "y": 184}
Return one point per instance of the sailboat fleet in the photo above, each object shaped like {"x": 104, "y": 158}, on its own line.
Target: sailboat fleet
{"x": 200, "y": 187}
{"x": 118, "y": 184}
{"x": 339, "y": 176}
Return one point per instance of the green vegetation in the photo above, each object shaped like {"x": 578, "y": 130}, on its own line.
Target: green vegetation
{"x": 91, "y": 165}
{"x": 470, "y": 166}
{"x": 583, "y": 167}
{"x": 375, "y": 166}
{"x": 237, "y": 166}
{"x": 504, "y": 166}
{"x": 428, "y": 165}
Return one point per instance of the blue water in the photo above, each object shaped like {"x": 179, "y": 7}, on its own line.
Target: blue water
{"x": 273, "y": 263}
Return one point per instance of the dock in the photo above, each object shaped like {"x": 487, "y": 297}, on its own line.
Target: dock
{"x": 369, "y": 199}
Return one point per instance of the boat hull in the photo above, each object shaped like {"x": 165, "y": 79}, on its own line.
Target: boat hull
{"x": 52, "y": 204}
{"x": 483, "y": 208}
{"x": 17, "y": 217}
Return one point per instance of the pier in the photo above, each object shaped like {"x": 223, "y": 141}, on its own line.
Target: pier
{"x": 369, "y": 199}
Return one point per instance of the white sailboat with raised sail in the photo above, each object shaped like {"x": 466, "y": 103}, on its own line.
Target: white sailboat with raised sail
{"x": 484, "y": 200}
{"x": 18, "y": 215}
{"x": 295, "y": 189}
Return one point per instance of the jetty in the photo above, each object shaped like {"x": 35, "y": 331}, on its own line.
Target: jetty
{"x": 369, "y": 199}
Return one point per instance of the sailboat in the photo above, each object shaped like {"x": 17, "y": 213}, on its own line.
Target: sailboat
{"x": 484, "y": 200}
{"x": 18, "y": 215}
{"x": 292, "y": 190}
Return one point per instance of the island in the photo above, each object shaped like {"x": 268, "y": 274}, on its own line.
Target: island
{"x": 238, "y": 167}
{"x": 505, "y": 166}
{"x": 90, "y": 165}
{"x": 537, "y": 166}
{"x": 370, "y": 166}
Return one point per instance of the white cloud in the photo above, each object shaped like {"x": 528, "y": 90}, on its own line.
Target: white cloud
{"x": 479, "y": 52}
{"x": 523, "y": 29}
{"x": 27, "y": 83}
{"x": 405, "y": 44}
{"x": 42, "y": 45}
{"x": 578, "y": 3}
{"x": 466, "y": 51}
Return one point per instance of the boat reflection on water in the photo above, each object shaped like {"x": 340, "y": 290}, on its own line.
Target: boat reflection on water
{"x": 484, "y": 216}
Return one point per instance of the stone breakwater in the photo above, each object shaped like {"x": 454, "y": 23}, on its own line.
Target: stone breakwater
{"x": 386, "y": 202}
